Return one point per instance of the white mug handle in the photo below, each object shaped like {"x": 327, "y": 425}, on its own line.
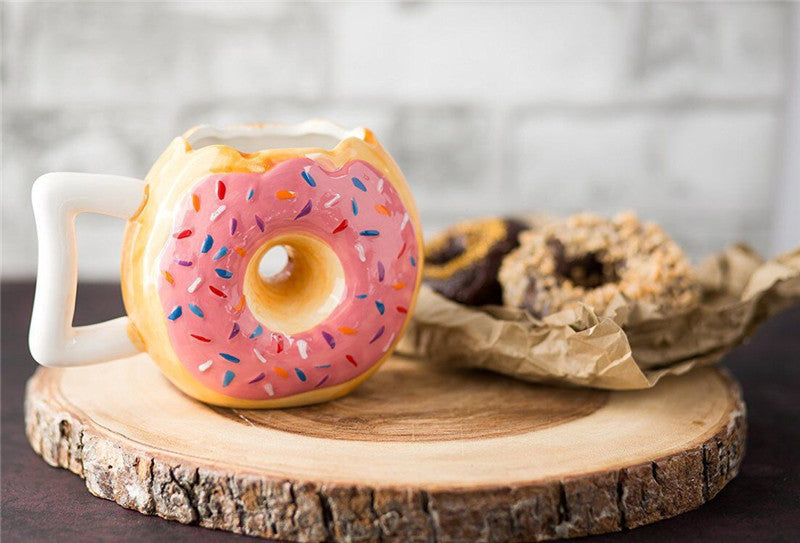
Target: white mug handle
{"x": 57, "y": 199}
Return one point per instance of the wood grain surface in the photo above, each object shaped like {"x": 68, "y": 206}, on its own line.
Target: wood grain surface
{"x": 413, "y": 455}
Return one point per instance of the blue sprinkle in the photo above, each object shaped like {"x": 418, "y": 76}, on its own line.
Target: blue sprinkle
{"x": 380, "y": 306}
{"x": 361, "y": 296}
{"x": 369, "y": 233}
{"x": 250, "y": 194}
{"x": 229, "y": 357}
{"x": 209, "y": 241}
{"x": 359, "y": 185}
{"x": 355, "y": 207}
{"x": 413, "y": 262}
{"x": 176, "y": 313}
{"x": 300, "y": 374}
{"x": 225, "y": 274}
{"x": 229, "y": 375}
{"x": 257, "y": 332}
{"x": 222, "y": 252}
{"x": 323, "y": 366}
{"x": 196, "y": 310}
{"x": 310, "y": 181}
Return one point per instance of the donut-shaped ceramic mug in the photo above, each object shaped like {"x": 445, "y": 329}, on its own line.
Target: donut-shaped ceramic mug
{"x": 197, "y": 299}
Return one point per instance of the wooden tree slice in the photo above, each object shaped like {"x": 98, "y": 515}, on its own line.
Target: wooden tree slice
{"x": 414, "y": 454}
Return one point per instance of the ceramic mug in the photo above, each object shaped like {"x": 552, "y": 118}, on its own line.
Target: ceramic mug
{"x": 198, "y": 227}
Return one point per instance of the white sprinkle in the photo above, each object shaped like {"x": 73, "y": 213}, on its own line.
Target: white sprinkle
{"x": 380, "y": 184}
{"x": 388, "y": 343}
{"x": 260, "y": 356}
{"x": 289, "y": 338}
{"x": 361, "y": 256}
{"x": 268, "y": 388}
{"x": 194, "y": 285}
{"x": 405, "y": 221}
{"x": 332, "y": 201}
{"x": 302, "y": 348}
{"x": 217, "y": 213}
{"x": 205, "y": 365}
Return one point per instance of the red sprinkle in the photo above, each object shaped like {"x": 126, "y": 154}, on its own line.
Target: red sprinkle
{"x": 184, "y": 234}
{"x": 217, "y": 291}
{"x": 401, "y": 309}
{"x": 200, "y": 338}
{"x": 351, "y": 360}
{"x": 342, "y": 226}
{"x": 220, "y": 189}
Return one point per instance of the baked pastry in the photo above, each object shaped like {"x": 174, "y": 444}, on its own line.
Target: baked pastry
{"x": 592, "y": 259}
{"x": 462, "y": 262}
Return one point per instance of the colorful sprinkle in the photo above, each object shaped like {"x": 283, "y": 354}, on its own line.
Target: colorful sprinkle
{"x": 302, "y": 348}
{"x": 234, "y": 224}
{"x": 207, "y": 243}
{"x": 380, "y": 306}
{"x": 405, "y": 221}
{"x": 250, "y": 194}
{"x": 413, "y": 261}
{"x": 220, "y": 189}
{"x": 355, "y": 207}
{"x": 369, "y": 233}
{"x": 196, "y": 310}
{"x": 308, "y": 179}
{"x": 241, "y": 251}
{"x": 399, "y": 285}
{"x": 183, "y": 234}
{"x": 269, "y": 389}
{"x": 257, "y": 378}
{"x": 282, "y": 372}
{"x": 259, "y": 356}
{"x": 351, "y": 360}
{"x": 217, "y": 213}
{"x": 360, "y": 250}
{"x": 175, "y": 313}
{"x": 196, "y": 202}
{"x": 229, "y": 357}
{"x": 285, "y": 194}
{"x": 257, "y": 332}
{"x": 200, "y": 338}
{"x": 240, "y": 305}
{"x": 380, "y": 184}
{"x": 378, "y": 334}
{"x": 401, "y": 309}
{"x": 259, "y": 223}
{"x": 346, "y": 330}
{"x": 205, "y": 365}
{"x": 383, "y": 210}
{"x": 217, "y": 291}
{"x": 279, "y": 346}
{"x": 322, "y": 381}
{"x": 229, "y": 375}
{"x": 358, "y": 184}
{"x": 222, "y": 252}
{"x": 234, "y": 330}
{"x": 225, "y": 274}
{"x": 186, "y": 263}
{"x": 300, "y": 374}
{"x": 322, "y": 366}
{"x": 388, "y": 343}
{"x": 381, "y": 271}
{"x": 361, "y": 296}
{"x": 332, "y": 201}
{"x": 329, "y": 339}
{"x": 305, "y": 211}
{"x": 168, "y": 277}
{"x": 342, "y": 226}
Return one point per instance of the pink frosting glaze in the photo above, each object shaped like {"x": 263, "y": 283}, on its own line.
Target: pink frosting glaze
{"x": 219, "y": 340}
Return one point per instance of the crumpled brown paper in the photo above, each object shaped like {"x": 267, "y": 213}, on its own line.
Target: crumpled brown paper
{"x": 629, "y": 346}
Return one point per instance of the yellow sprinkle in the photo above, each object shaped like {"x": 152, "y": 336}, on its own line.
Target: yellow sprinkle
{"x": 285, "y": 194}
{"x": 347, "y": 331}
{"x": 398, "y": 285}
{"x": 282, "y": 372}
{"x": 169, "y": 278}
{"x": 196, "y": 202}
{"x": 241, "y": 251}
{"x": 383, "y": 210}
{"x": 240, "y": 305}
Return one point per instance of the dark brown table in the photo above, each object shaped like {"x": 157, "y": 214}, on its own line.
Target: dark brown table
{"x": 41, "y": 503}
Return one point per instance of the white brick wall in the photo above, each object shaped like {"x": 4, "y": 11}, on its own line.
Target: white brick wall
{"x": 675, "y": 110}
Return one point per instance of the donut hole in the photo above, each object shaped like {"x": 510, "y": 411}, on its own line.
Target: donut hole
{"x": 587, "y": 270}
{"x": 451, "y": 249}
{"x": 293, "y": 282}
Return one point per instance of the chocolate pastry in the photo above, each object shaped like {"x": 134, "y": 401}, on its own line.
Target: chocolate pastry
{"x": 462, "y": 262}
{"x": 591, "y": 259}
